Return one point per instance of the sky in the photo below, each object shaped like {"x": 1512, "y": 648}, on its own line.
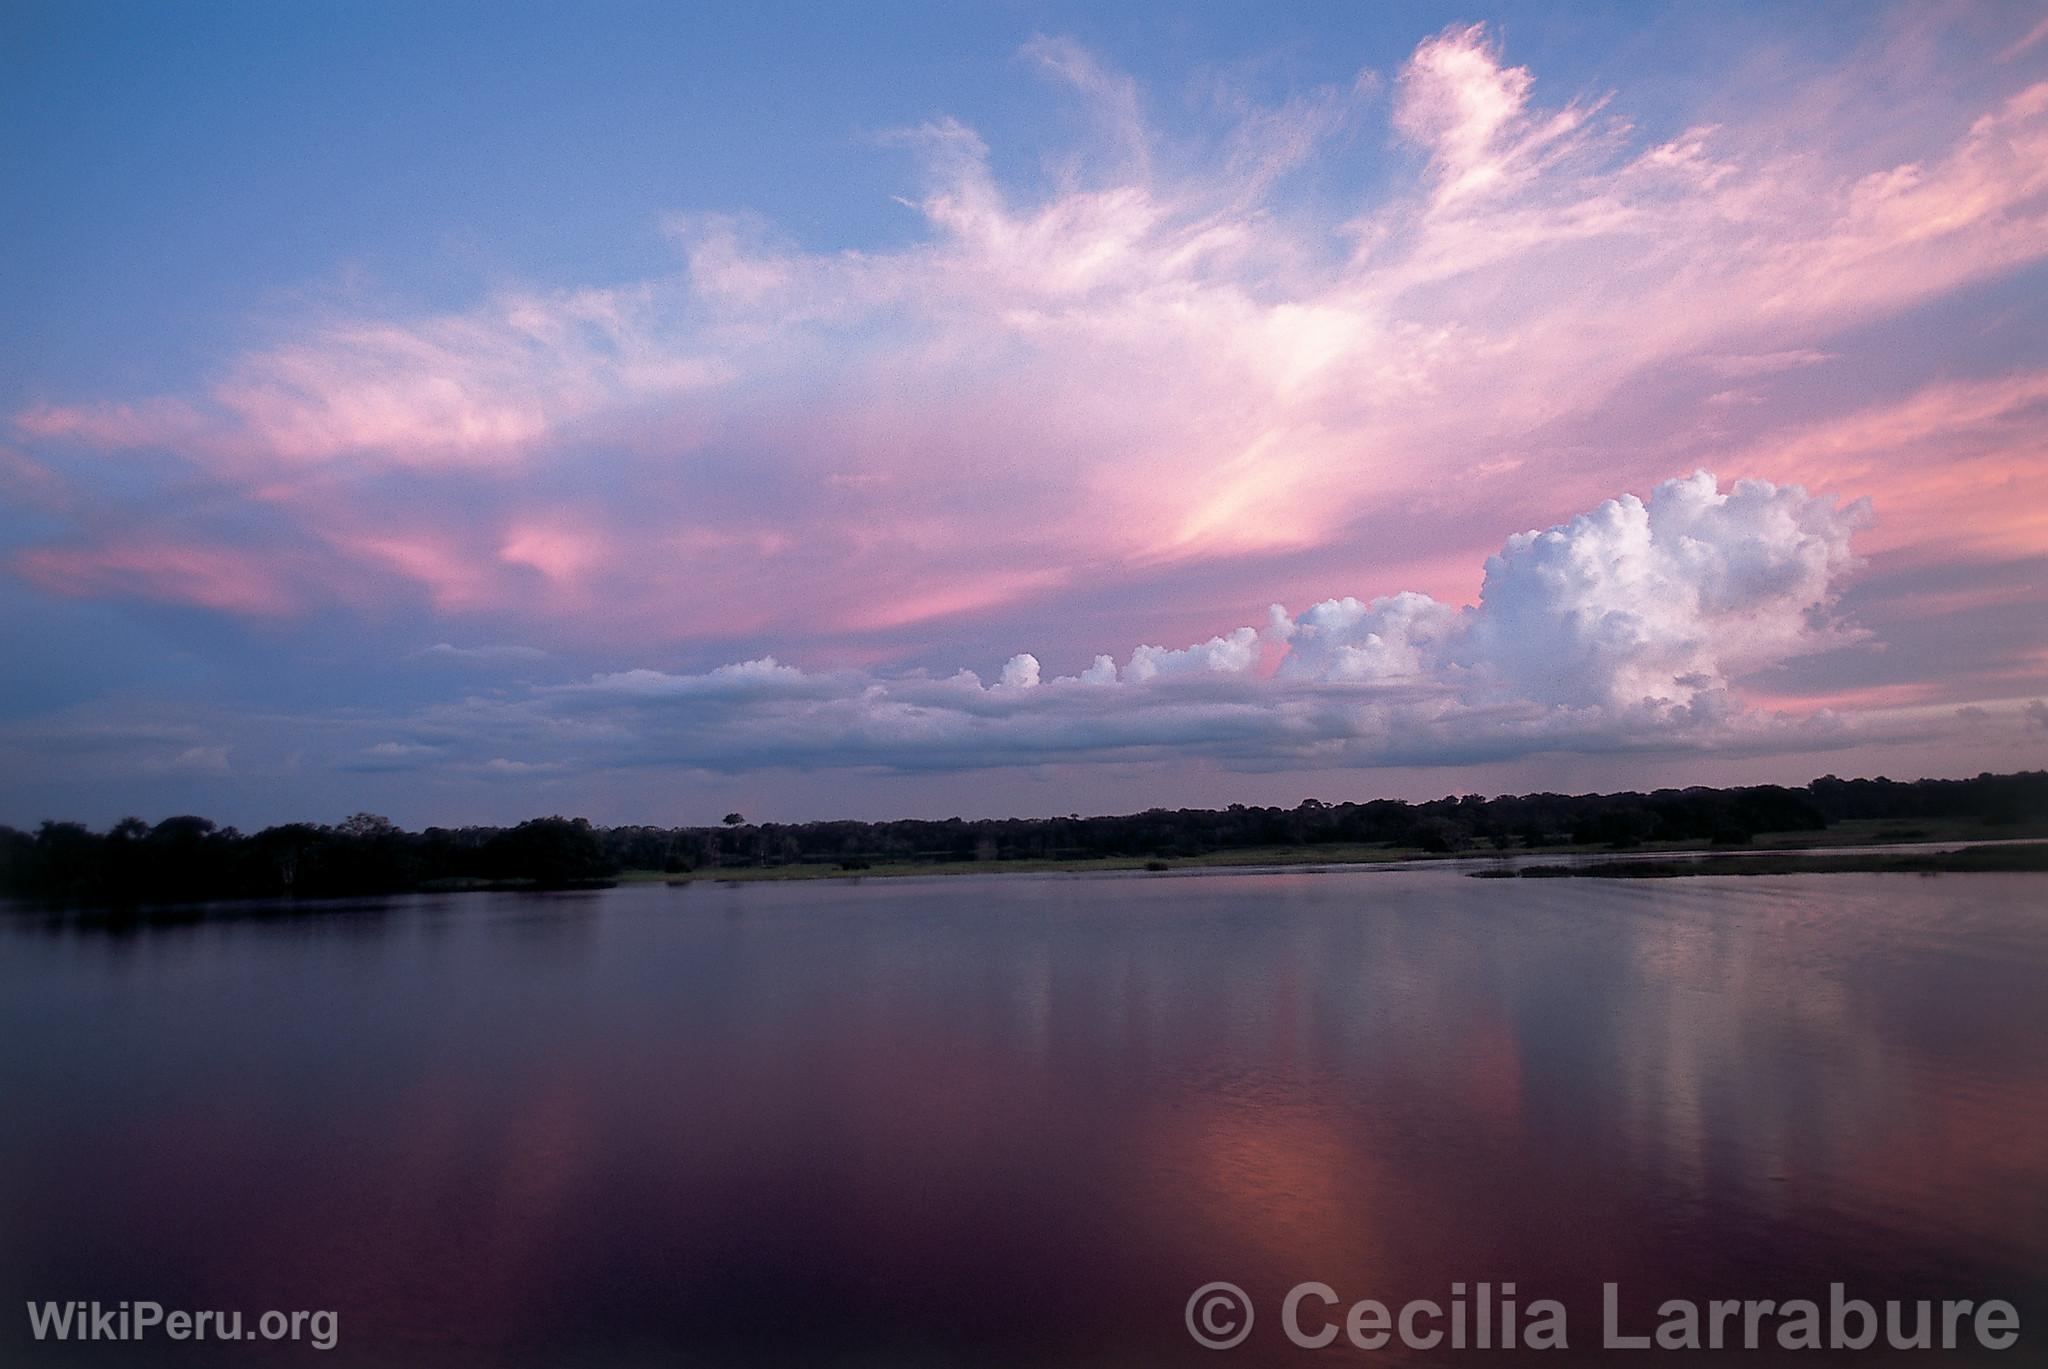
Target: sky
{"x": 468, "y": 412}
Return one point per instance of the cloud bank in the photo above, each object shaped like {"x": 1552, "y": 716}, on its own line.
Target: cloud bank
{"x": 1623, "y": 629}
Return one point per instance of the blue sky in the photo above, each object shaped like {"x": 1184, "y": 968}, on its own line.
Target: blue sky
{"x": 398, "y": 397}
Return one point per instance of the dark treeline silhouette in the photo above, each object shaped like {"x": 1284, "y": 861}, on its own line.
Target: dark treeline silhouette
{"x": 188, "y": 858}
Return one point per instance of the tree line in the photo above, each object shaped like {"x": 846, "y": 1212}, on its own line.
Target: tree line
{"x": 190, "y": 858}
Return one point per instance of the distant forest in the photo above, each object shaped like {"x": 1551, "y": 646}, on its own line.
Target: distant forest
{"x": 189, "y": 858}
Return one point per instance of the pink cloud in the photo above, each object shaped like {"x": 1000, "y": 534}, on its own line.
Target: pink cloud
{"x": 229, "y": 579}
{"x": 451, "y": 573}
{"x": 1962, "y": 464}
{"x": 146, "y": 423}
{"x": 957, "y": 596}
{"x": 1163, "y": 364}
{"x": 563, "y": 554}
{"x": 1460, "y": 101}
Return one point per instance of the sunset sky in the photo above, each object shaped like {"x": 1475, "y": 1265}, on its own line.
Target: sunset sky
{"x": 645, "y": 411}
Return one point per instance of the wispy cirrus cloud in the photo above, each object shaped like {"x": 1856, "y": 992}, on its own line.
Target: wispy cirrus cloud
{"x": 1963, "y": 461}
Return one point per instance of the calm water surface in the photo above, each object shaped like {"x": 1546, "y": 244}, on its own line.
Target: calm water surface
{"x": 1016, "y": 1120}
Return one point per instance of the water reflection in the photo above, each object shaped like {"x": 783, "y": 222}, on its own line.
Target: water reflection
{"x": 1017, "y": 1120}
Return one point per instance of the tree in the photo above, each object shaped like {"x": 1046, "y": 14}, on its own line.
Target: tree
{"x": 733, "y": 819}
{"x": 363, "y": 825}
{"x": 549, "y": 851}
{"x": 1440, "y": 834}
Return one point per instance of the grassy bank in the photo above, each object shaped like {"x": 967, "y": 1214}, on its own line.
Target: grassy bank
{"x": 1213, "y": 860}
{"x": 1853, "y": 833}
{"x": 2024, "y": 857}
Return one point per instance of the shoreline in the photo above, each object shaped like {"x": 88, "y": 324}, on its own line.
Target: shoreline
{"x": 2022, "y": 856}
{"x": 1850, "y": 848}
{"x": 1874, "y": 834}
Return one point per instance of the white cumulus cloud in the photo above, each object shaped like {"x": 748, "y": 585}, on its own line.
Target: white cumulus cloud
{"x": 1631, "y": 604}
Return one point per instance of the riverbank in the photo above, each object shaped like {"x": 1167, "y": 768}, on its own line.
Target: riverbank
{"x": 1777, "y": 845}
{"x": 2015, "y": 857}
{"x": 1848, "y": 847}
{"x": 901, "y": 869}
